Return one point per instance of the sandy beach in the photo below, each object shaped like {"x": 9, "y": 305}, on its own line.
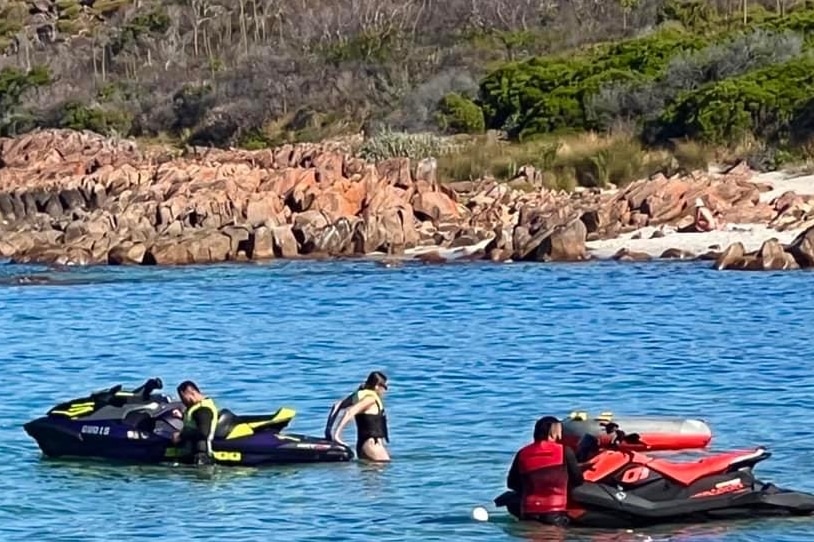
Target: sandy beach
{"x": 751, "y": 235}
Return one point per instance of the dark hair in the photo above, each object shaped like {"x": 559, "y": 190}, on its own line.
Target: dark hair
{"x": 376, "y": 378}
{"x": 186, "y": 384}
{"x": 543, "y": 427}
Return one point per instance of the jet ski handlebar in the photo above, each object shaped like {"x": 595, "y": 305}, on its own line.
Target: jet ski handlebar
{"x": 143, "y": 391}
{"x": 620, "y": 437}
{"x": 149, "y": 386}
{"x": 105, "y": 396}
{"x": 589, "y": 445}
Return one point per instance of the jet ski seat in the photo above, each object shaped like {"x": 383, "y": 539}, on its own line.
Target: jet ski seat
{"x": 226, "y": 422}
{"x": 689, "y": 472}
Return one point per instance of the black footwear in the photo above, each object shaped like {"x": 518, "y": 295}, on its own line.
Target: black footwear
{"x": 202, "y": 459}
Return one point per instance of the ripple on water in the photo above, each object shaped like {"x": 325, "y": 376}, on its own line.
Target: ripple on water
{"x": 475, "y": 354}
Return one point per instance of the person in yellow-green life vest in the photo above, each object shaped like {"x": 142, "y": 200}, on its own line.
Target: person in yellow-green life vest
{"x": 366, "y": 407}
{"x": 200, "y": 419}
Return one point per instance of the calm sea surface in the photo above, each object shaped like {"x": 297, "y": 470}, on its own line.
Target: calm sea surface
{"x": 475, "y": 354}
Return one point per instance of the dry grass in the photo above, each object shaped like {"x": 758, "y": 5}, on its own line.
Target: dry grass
{"x": 565, "y": 161}
{"x": 804, "y": 164}
{"x": 692, "y": 156}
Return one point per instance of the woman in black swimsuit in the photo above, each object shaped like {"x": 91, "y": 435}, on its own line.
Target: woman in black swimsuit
{"x": 365, "y": 405}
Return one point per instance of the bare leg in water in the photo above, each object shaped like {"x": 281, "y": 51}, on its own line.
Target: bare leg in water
{"x": 373, "y": 450}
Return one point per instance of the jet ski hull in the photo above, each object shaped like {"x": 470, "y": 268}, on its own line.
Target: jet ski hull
{"x": 137, "y": 427}
{"x": 604, "y": 507}
{"x": 62, "y": 438}
{"x": 627, "y": 489}
{"x": 117, "y": 442}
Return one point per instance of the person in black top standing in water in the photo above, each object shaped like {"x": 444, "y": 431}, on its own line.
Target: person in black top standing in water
{"x": 366, "y": 406}
{"x": 200, "y": 419}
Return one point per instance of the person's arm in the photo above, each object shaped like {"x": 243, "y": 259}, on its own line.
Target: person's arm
{"x": 575, "y": 477}
{"x": 513, "y": 480}
{"x": 337, "y": 407}
{"x": 349, "y": 414}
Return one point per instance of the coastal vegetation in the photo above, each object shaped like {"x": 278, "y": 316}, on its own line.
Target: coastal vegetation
{"x": 588, "y": 93}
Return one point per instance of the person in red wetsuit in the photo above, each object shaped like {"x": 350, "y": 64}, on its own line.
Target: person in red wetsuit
{"x": 543, "y": 472}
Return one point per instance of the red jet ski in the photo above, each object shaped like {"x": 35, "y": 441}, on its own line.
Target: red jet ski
{"x": 626, "y": 488}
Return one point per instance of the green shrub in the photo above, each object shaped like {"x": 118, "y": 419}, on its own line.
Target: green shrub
{"x": 547, "y": 94}
{"x": 108, "y": 7}
{"x": 691, "y": 156}
{"x": 153, "y": 22}
{"x": 459, "y": 114}
{"x": 254, "y": 139}
{"x": 12, "y": 19}
{"x": 366, "y": 46}
{"x": 69, "y": 27}
{"x": 690, "y": 13}
{"x": 389, "y": 144}
{"x": 14, "y": 84}
{"x": 543, "y": 95}
{"x": 77, "y": 116}
{"x": 68, "y": 9}
{"x": 762, "y": 103}
{"x": 190, "y": 105}
{"x": 646, "y": 100}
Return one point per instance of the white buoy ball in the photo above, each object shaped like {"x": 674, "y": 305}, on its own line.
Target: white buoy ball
{"x": 479, "y": 513}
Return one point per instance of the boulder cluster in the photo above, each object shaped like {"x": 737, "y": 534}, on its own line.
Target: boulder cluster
{"x": 69, "y": 197}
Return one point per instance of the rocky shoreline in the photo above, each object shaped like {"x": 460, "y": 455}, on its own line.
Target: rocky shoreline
{"x": 77, "y": 198}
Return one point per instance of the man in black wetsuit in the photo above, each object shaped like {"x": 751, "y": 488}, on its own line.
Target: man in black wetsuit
{"x": 200, "y": 420}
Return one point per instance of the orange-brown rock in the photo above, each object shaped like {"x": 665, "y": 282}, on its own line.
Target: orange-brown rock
{"x": 733, "y": 257}
{"x": 561, "y": 242}
{"x": 802, "y": 248}
{"x": 662, "y": 200}
{"x": 627, "y": 255}
{"x": 771, "y": 256}
{"x": 436, "y": 206}
{"x": 77, "y": 198}
{"x": 677, "y": 254}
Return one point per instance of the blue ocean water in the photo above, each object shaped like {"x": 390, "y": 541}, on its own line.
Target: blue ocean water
{"x": 475, "y": 354}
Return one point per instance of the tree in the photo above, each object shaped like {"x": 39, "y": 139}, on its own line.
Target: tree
{"x": 627, "y": 7}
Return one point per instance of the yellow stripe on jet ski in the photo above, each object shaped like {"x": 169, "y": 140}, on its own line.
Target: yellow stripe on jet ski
{"x": 231, "y": 457}
{"x": 73, "y": 413}
{"x": 228, "y": 456}
{"x": 76, "y": 409}
{"x": 247, "y": 429}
